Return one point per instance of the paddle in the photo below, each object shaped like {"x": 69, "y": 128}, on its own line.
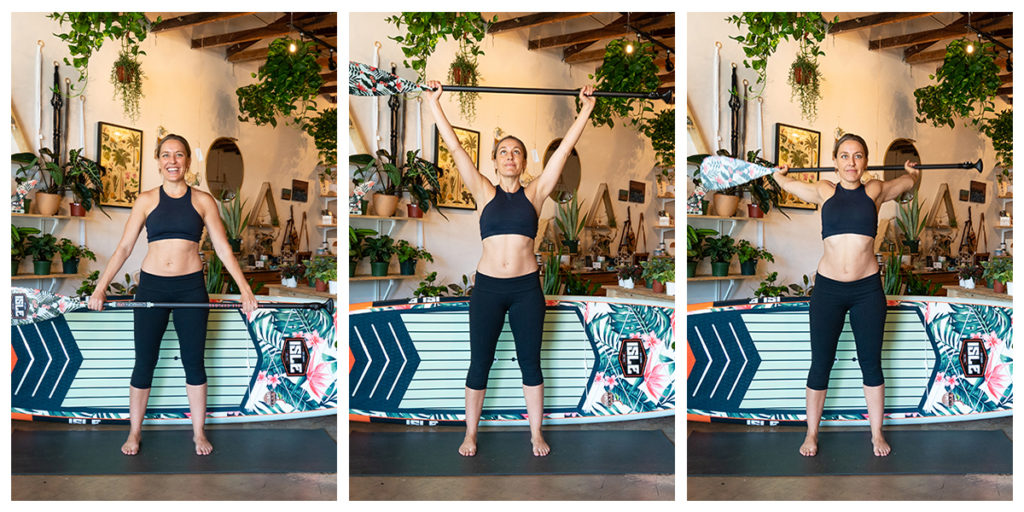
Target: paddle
{"x": 30, "y": 305}
{"x": 722, "y": 172}
{"x": 365, "y": 80}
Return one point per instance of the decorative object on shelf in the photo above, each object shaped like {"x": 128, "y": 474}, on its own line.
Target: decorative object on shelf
{"x": 20, "y": 203}
{"x": 623, "y": 71}
{"x": 570, "y": 221}
{"x": 766, "y": 29}
{"x": 628, "y": 273}
{"x": 749, "y": 255}
{"x": 463, "y": 71}
{"x": 453, "y": 192}
{"x": 88, "y": 30}
{"x": 797, "y": 147}
{"x": 355, "y": 198}
{"x": 234, "y": 222}
{"x": 71, "y": 255}
{"x": 42, "y": 248}
{"x": 966, "y": 84}
{"x": 120, "y": 157}
{"x": 805, "y": 79}
{"x": 425, "y": 29}
{"x": 290, "y": 273}
{"x": 408, "y": 255}
{"x": 379, "y": 249}
{"x": 288, "y": 85}
{"x": 720, "y": 249}
{"x": 911, "y": 224}
{"x": 19, "y": 245}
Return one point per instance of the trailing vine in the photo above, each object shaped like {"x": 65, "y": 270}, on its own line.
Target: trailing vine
{"x": 624, "y": 72}
{"x": 288, "y": 85}
{"x": 661, "y": 129}
{"x": 766, "y": 29}
{"x": 805, "y": 80}
{"x": 1000, "y": 131}
{"x": 425, "y": 29}
{"x": 966, "y": 85}
{"x": 463, "y": 71}
{"x": 324, "y": 130}
{"x": 126, "y": 77}
{"x": 87, "y": 31}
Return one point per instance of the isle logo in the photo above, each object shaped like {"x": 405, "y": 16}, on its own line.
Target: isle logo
{"x": 295, "y": 356}
{"x": 632, "y": 357}
{"x": 19, "y": 306}
{"x": 973, "y": 357}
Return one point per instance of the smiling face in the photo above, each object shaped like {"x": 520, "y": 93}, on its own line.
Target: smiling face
{"x": 851, "y": 160}
{"x": 174, "y": 160}
{"x": 510, "y": 157}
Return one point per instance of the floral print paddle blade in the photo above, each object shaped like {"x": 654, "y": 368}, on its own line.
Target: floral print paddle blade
{"x": 365, "y": 80}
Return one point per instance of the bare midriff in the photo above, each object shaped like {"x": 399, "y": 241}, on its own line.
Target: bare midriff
{"x": 172, "y": 257}
{"x": 507, "y": 256}
{"x": 848, "y": 257}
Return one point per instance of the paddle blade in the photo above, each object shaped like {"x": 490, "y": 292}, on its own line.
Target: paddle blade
{"x": 722, "y": 172}
{"x": 365, "y": 80}
{"x": 30, "y": 305}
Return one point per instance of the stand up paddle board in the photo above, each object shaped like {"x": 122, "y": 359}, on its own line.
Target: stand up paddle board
{"x": 75, "y": 367}
{"x": 603, "y": 360}
{"x": 943, "y": 360}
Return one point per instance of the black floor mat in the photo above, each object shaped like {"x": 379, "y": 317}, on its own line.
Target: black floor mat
{"x": 82, "y": 452}
{"x": 509, "y": 453}
{"x": 955, "y": 452}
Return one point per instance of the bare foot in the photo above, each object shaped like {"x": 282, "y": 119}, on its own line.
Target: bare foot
{"x": 540, "y": 447}
{"x": 468, "y": 448}
{"x": 203, "y": 446}
{"x": 810, "y": 446}
{"x": 880, "y": 446}
{"x": 131, "y": 445}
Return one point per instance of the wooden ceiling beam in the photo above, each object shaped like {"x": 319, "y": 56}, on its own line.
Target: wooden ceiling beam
{"x": 616, "y": 29}
{"x": 667, "y": 78}
{"x": 932, "y": 56}
{"x": 875, "y": 20}
{"x": 238, "y": 48}
{"x": 1004, "y": 91}
{"x": 916, "y": 49}
{"x": 259, "y": 53}
{"x": 191, "y": 20}
{"x": 533, "y": 20}
{"x": 328, "y": 89}
{"x": 569, "y": 51}
{"x": 1006, "y": 79}
{"x": 277, "y": 28}
{"x": 957, "y": 28}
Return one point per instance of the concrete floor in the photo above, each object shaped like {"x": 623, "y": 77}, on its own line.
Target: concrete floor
{"x": 530, "y": 487}
{"x": 873, "y": 487}
{"x": 221, "y": 486}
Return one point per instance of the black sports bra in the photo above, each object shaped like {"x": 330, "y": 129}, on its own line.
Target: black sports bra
{"x": 849, "y": 211}
{"x": 508, "y": 214}
{"x": 174, "y": 219}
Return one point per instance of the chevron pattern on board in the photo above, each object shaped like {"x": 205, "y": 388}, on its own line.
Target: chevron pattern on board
{"x": 46, "y": 361}
{"x": 725, "y": 361}
{"x": 385, "y": 361}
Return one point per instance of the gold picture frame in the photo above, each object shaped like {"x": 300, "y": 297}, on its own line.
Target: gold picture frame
{"x": 797, "y": 147}
{"x": 454, "y": 193}
{"x": 120, "y": 155}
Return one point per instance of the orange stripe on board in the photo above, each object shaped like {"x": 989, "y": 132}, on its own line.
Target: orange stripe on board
{"x": 689, "y": 360}
{"x": 698, "y": 306}
{"x": 351, "y": 359}
{"x": 360, "y": 305}
{"x": 20, "y": 416}
{"x": 359, "y": 417}
{"x": 14, "y": 359}
{"x": 698, "y": 418}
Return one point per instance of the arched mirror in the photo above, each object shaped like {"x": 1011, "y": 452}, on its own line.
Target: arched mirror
{"x": 901, "y": 150}
{"x": 565, "y": 189}
{"x": 224, "y": 169}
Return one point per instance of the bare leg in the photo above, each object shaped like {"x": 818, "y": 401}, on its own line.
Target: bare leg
{"x": 875, "y": 397}
{"x": 815, "y": 404}
{"x": 474, "y": 406}
{"x": 197, "y": 406}
{"x": 535, "y": 412}
{"x": 137, "y": 400}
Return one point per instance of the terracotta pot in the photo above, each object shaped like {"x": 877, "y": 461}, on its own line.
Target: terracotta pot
{"x": 799, "y": 77}
{"x": 754, "y": 211}
{"x": 414, "y": 210}
{"x": 77, "y": 210}
{"x": 725, "y": 206}
{"x": 47, "y": 204}
{"x": 457, "y": 75}
{"x": 123, "y": 75}
{"x": 321, "y": 286}
{"x": 658, "y": 287}
{"x": 999, "y": 286}
{"x": 384, "y": 205}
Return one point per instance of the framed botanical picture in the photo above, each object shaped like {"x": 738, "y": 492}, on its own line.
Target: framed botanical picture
{"x": 300, "y": 190}
{"x": 454, "y": 193}
{"x": 797, "y": 147}
{"x": 120, "y": 154}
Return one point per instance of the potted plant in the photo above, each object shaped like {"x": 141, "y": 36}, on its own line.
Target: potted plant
{"x": 768, "y": 288}
{"x": 463, "y": 71}
{"x": 995, "y": 271}
{"x": 570, "y": 222}
{"x": 126, "y": 77}
{"x": 408, "y": 255}
{"x": 330, "y": 276}
{"x": 1006, "y": 276}
{"x": 19, "y": 245}
{"x": 624, "y": 71}
{"x": 356, "y": 247}
{"x": 288, "y": 85}
{"x": 427, "y": 288}
{"x": 42, "y": 248}
{"x": 88, "y": 285}
{"x": 668, "y": 276}
{"x": 765, "y": 30}
{"x": 71, "y": 255}
{"x": 911, "y": 223}
{"x": 695, "y": 247}
{"x": 421, "y": 179}
{"x": 51, "y": 178}
{"x": 379, "y": 249}
{"x": 425, "y": 29}
{"x": 721, "y": 250}
{"x": 749, "y": 255}
{"x": 290, "y": 274}
{"x": 628, "y": 273}
{"x": 967, "y": 274}
{"x": 892, "y": 275}
{"x": 551, "y": 278}
{"x": 88, "y": 30}
{"x": 234, "y": 222}
{"x": 652, "y": 271}
{"x": 765, "y": 192}
{"x": 83, "y": 177}
{"x": 318, "y": 271}
{"x": 966, "y": 84}
{"x": 805, "y": 80}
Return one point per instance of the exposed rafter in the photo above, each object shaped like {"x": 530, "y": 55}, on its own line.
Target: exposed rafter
{"x": 533, "y": 20}
{"x": 652, "y": 21}
{"x": 191, "y": 20}
{"x": 276, "y": 29}
{"x": 955, "y": 29}
{"x": 875, "y": 20}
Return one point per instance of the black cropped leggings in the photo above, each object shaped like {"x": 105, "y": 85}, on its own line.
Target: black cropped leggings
{"x": 865, "y": 300}
{"x": 492, "y": 297}
{"x": 189, "y": 324}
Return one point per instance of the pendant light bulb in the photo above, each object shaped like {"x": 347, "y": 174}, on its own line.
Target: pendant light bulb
{"x": 970, "y": 47}
{"x": 629, "y": 48}
{"x": 292, "y": 48}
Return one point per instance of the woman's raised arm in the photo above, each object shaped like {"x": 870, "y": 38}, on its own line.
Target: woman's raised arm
{"x": 553, "y": 169}
{"x": 475, "y": 182}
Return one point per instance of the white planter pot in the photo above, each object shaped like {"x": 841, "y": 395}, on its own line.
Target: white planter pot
{"x": 1009, "y": 288}
{"x": 290, "y": 282}
{"x": 626, "y": 283}
{"x": 333, "y": 287}
{"x": 967, "y": 283}
{"x": 670, "y": 288}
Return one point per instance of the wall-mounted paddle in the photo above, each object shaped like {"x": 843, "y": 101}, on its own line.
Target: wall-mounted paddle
{"x": 722, "y": 172}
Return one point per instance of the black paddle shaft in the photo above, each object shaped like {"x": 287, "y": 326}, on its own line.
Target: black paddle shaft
{"x": 665, "y": 96}
{"x": 125, "y": 304}
{"x": 963, "y": 165}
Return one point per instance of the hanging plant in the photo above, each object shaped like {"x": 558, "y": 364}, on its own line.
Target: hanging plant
{"x": 1000, "y": 130}
{"x": 324, "y": 130}
{"x": 425, "y": 29}
{"x": 805, "y": 79}
{"x": 661, "y": 129}
{"x": 288, "y": 85}
{"x": 126, "y": 77}
{"x": 88, "y": 30}
{"x": 966, "y": 85}
{"x": 463, "y": 71}
{"x": 766, "y": 29}
{"x": 624, "y": 72}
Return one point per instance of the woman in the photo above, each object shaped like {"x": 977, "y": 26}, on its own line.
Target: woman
{"x": 507, "y": 276}
{"x": 848, "y": 279}
{"x": 174, "y": 215}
